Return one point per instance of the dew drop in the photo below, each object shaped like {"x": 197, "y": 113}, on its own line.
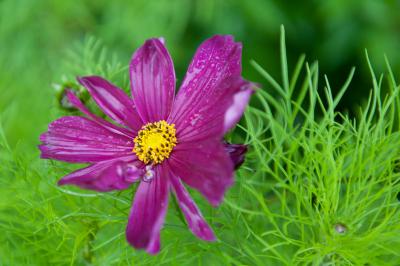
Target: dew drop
{"x": 195, "y": 119}
{"x": 149, "y": 174}
{"x": 120, "y": 170}
{"x": 131, "y": 170}
{"x": 340, "y": 228}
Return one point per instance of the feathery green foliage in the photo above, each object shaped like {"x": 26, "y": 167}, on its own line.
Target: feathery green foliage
{"x": 333, "y": 178}
{"x": 318, "y": 188}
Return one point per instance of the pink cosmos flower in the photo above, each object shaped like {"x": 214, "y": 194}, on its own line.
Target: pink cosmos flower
{"x": 163, "y": 140}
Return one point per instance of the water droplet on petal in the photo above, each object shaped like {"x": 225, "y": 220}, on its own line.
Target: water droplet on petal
{"x": 120, "y": 170}
{"x": 131, "y": 173}
{"x": 195, "y": 119}
{"x": 149, "y": 174}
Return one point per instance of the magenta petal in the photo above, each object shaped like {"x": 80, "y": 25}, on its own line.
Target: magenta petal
{"x": 115, "y": 174}
{"x": 113, "y": 101}
{"x": 236, "y": 109}
{"x": 193, "y": 216}
{"x": 78, "y": 139}
{"x": 152, "y": 77}
{"x": 148, "y": 212}
{"x": 154, "y": 246}
{"x": 104, "y": 123}
{"x": 205, "y": 166}
{"x": 207, "y": 119}
{"x": 208, "y": 91}
{"x": 236, "y": 152}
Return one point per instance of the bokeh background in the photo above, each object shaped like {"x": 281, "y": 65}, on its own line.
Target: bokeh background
{"x": 37, "y": 37}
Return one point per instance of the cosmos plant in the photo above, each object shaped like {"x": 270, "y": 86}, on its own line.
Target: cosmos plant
{"x": 161, "y": 141}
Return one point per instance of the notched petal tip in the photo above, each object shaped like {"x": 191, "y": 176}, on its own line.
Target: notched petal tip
{"x": 152, "y": 77}
{"x": 83, "y": 80}
{"x": 42, "y": 137}
{"x": 148, "y": 213}
{"x": 113, "y": 101}
{"x": 73, "y": 99}
{"x": 154, "y": 247}
{"x": 161, "y": 39}
{"x": 78, "y": 139}
{"x": 240, "y": 100}
{"x": 228, "y": 43}
{"x": 76, "y": 102}
{"x": 148, "y": 49}
{"x": 44, "y": 151}
{"x": 227, "y": 38}
{"x": 195, "y": 221}
{"x": 215, "y": 202}
{"x": 211, "y": 82}
{"x": 62, "y": 182}
{"x": 209, "y": 237}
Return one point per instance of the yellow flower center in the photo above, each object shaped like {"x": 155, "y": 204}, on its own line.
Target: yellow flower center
{"x": 155, "y": 142}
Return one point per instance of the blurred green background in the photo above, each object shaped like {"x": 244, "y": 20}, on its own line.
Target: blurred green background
{"x": 35, "y": 36}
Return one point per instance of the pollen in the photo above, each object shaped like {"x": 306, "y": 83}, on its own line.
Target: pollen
{"x": 154, "y": 142}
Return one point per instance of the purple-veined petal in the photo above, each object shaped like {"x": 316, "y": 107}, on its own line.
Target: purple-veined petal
{"x": 113, "y": 101}
{"x": 152, "y": 77}
{"x": 116, "y": 174}
{"x": 193, "y": 216}
{"x": 80, "y": 140}
{"x": 208, "y": 120}
{"x": 205, "y": 166}
{"x": 236, "y": 152}
{"x": 148, "y": 212}
{"x": 104, "y": 123}
{"x": 208, "y": 91}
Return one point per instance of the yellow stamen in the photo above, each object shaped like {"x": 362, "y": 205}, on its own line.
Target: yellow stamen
{"x": 155, "y": 142}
